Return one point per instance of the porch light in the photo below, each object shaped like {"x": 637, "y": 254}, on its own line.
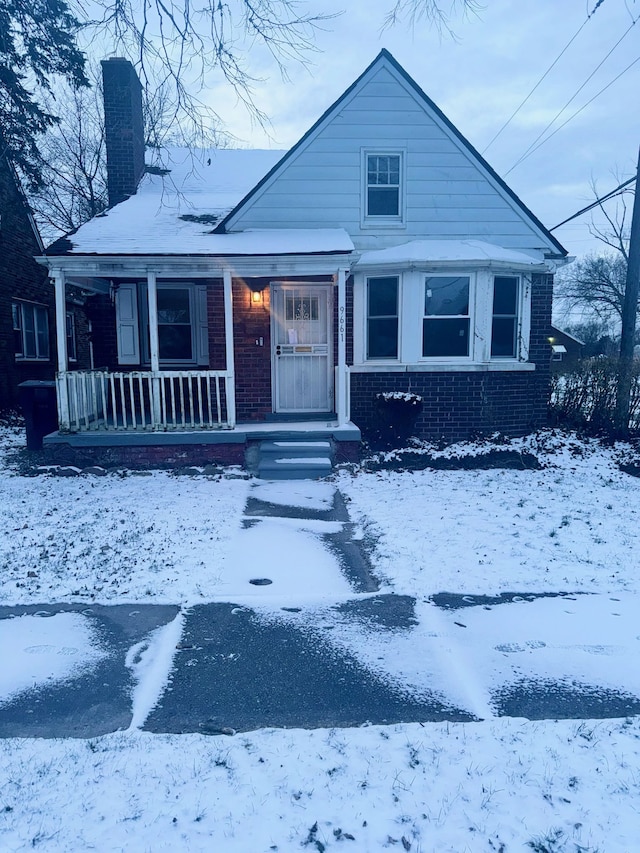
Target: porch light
{"x": 256, "y": 297}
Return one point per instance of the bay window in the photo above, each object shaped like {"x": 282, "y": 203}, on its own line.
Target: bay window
{"x": 451, "y": 319}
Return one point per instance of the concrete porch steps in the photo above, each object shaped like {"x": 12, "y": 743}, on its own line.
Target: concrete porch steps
{"x": 295, "y": 459}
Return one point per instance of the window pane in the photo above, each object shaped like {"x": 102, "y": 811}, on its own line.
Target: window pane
{"x": 16, "y": 314}
{"x": 445, "y": 338}
{"x": 383, "y": 170}
{"x": 383, "y": 201}
{"x": 29, "y": 337}
{"x": 42, "y": 323}
{"x": 71, "y": 336}
{"x": 383, "y": 297}
{"x": 173, "y": 305}
{"x": 503, "y": 337}
{"x": 301, "y": 308}
{"x": 505, "y": 295}
{"x": 382, "y": 337}
{"x": 174, "y": 342}
{"x": 446, "y": 296}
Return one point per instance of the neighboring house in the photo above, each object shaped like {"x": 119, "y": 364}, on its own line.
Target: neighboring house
{"x": 244, "y": 292}
{"x": 27, "y": 331}
{"x": 566, "y": 350}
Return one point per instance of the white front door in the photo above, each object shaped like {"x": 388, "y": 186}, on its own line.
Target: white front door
{"x": 301, "y": 345}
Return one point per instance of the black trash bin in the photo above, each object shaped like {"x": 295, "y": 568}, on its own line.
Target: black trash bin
{"x": 40, "y": 408}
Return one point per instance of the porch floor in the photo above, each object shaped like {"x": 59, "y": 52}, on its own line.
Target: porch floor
{"x": 241, "y": 434}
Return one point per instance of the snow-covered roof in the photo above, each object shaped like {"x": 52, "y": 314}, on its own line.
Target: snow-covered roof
{"x": 178, "y": 204}
{"x": 448, "y": 251}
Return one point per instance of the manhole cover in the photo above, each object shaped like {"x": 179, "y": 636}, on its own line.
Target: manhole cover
{"x": 260, "y": 581}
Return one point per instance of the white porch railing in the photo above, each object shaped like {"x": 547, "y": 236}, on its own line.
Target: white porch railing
{"x": 143, "y": 400}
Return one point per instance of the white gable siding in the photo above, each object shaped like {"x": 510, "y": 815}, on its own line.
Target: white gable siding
{"x": 448, "y": 194}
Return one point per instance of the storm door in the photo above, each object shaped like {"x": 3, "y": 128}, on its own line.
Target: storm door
{"x": 301, "y": 342}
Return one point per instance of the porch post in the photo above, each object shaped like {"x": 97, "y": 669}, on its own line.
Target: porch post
{"x": 152, "y": 296}
{"x": 152, "y": 299}
{"x": 230, "y": 384}
{"x": 342, "y": 389}
{"x": 64, "y": 415}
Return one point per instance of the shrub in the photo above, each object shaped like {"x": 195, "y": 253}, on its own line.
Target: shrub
{"x": 585, "y": 397}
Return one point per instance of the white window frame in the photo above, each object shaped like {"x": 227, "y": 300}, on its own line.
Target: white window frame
{"x": 72, "y": 340}
{"x": 411, "y": 295}
{"x": 390, "y": 359}
{"x": 40, "y": 313}
{"x": 518, "y": 317}
{"x": 193, "y": 323}
{"x": 388, "y": 221}
{"x": 450, "y": 359}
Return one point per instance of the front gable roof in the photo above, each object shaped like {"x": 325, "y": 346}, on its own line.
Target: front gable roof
{"x": 240, "y": 215}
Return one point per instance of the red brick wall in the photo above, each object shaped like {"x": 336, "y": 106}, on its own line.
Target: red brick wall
{"x": 158, "y": 456}
{"x": 20, "y": 278}
{"x": 215, "y": 321}
{"x": 252, "y": 361}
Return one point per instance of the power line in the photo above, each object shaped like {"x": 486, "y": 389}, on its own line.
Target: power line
{"x": 575, "y": 95}
{"x": 531, "y": 151}
{"x": 549, "y": 69}
{"x": 596, "y": 203}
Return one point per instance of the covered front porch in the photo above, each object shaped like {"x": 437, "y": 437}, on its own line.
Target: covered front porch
{"x": 205, "y": 351}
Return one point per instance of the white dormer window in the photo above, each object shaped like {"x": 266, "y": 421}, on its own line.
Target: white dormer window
{"x": 383, "y": 188}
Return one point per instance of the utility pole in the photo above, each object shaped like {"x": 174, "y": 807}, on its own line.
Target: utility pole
{"x": 629, "y": 311}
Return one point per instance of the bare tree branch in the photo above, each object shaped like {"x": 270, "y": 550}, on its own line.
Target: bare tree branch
{"x": 436, "y": 13}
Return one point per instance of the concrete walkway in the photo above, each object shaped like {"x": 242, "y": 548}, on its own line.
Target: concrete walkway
{"x": 239, "y": 665}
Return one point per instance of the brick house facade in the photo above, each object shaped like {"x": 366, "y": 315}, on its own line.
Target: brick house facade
{"x": 27, "y": 320}
{"x": 381, "y": 254}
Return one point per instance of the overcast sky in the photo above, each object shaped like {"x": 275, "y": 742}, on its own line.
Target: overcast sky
{"x": 478, "y": 80}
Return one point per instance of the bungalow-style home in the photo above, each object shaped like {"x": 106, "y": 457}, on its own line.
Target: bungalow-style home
{"x": 27, "y": 337}
{"x": 244, "y": 295}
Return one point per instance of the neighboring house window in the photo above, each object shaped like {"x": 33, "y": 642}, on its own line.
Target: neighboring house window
{"x": 383, "y": 189}
{"x": 446, "y": 322}
{"x": 30, "y": 331}
{"x": 382, "y": 317}
{"x": 72, "y": 354}
{"x": 504, "y": 327}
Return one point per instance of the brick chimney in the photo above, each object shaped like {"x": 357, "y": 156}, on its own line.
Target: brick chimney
{"x": 124, "y": 128}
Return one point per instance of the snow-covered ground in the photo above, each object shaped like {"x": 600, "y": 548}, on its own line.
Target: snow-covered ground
{"x": 497, "y": 785}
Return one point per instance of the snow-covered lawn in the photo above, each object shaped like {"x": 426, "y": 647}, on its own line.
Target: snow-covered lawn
{"x": 571, "y": 525}
{"x": 499, "y": 785}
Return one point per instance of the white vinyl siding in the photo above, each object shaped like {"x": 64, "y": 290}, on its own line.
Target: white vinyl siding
{"x": 448, "y": 194}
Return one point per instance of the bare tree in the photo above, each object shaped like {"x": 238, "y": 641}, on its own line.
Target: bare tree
{"x": 74, "y": 155}
{"x": 596, "y": 284}
{"x": 74, "y": 171}
{"x": 179, "y": 45}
